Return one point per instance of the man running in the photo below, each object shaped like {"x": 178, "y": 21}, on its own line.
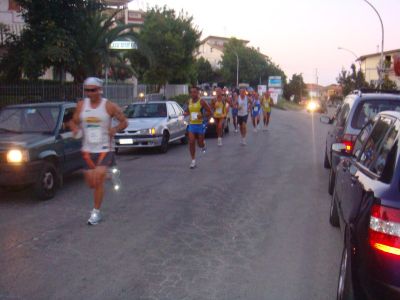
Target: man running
{"x": 234, "y": 107}
{"x": 196, "y": 129}
{"x": 218, "y": 106}
{"x": 93, "y": 115}
{"x": 266, "y": 103}
{"x": 243, "y": 113}
{"x": 255, "y": 111}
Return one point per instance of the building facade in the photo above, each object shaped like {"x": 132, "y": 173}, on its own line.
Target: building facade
{"x": 370, "y": 62}
{"x": 10, "y": 18}
{"x": 212, "y": 49}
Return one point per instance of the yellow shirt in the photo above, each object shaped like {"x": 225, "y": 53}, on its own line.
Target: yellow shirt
{"x": 266, "y": 104}
{"x": 219, "y": 109}
{"x": 195, "y": 110}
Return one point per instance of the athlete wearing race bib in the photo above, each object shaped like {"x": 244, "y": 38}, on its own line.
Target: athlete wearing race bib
{"x": 93, "y": 115}
{"x": 243, "y": 113}
{"x": 255, "y": 111}
{"x": 218, "y": 105}
{"x": 196, "y": 128}
{"x": 266, "y": 103}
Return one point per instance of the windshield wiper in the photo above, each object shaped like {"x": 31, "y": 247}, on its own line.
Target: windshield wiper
{"x": 9, "y": 130}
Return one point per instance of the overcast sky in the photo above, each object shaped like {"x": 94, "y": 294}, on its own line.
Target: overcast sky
{"x": 300, "y": 36}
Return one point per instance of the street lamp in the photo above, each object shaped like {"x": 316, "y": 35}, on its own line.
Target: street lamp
{"x": 237, "y": 69}
{"x": 348, "y": 50}
{"x": 380, "y": 70}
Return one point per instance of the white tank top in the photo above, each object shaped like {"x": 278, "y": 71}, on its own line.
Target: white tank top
{"x": 243, "y": 106}
{"x": 96, "y": 123}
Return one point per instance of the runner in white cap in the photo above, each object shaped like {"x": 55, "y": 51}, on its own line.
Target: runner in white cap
{"x": 93, "y": 115}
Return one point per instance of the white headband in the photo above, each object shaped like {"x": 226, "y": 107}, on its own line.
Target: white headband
{"x": 93, "y": 81}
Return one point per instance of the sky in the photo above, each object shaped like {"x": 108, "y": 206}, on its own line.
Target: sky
{"x": 299, "y": 36}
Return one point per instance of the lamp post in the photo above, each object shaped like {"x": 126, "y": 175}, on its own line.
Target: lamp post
{"x": 380, "y": 67}
{"x": 237, "y": 69}
{"x": 348, "y": 50}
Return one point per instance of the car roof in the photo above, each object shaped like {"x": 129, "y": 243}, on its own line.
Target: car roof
{"x": 40, "y": 104}
{"x": 391, "y": 113}
{"x": 154, "y": 102}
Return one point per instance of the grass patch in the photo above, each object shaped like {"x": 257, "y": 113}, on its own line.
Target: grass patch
{"x": 288, "y": 105}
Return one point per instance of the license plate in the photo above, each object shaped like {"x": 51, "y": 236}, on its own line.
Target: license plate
{"x": 126, "y": 141}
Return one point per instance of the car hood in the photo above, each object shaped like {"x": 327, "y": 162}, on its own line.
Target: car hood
{"x": 144, "y": 123}
{"x": 8, "y": 140}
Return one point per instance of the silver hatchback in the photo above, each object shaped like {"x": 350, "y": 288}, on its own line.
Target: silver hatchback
{"x": 152, "y": 124}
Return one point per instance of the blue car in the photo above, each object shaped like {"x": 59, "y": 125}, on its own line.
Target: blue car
{"x": 366, "y": 206}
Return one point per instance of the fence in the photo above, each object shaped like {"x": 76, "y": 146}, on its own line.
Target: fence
{"x": 44, "y": 91}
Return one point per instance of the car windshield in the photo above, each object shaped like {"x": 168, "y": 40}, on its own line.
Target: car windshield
{"x": 146, "y": 110}
{"x": 369, "y": 109}
{"x": 29, "y": 119}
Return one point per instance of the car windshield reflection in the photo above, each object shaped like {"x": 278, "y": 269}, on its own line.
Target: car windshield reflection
{"x": 146, "y": 110}
{"x": 29, "y": 119}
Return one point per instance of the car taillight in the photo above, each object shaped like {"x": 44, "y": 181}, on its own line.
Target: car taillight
{"x": 349, "y": 140}
{"x": 384, "y": 229}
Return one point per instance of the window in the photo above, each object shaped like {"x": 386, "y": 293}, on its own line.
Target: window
{"x": 374, "y": 142}
{"x": 177, "y": 109}
{"x": 342, "y": 117}
{"x": 362, "y": 137}
{"x": 68, "y": 114}
{"x": 367, "y": 110}
{"x": 386, "y": 157}
{"x": 171, "y": 109}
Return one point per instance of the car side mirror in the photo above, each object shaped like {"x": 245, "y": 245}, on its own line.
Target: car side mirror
{"x": 326, "y": 120}
{"x": 338, "y": 147}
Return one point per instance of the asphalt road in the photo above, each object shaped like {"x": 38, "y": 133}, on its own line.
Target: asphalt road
{"x": 250, "y": 222}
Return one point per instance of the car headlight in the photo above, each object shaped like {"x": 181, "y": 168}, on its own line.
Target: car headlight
{"x": 212, "y": 120}
{"x": 312, "y": 106}
{"x": 16, "y": 156}
{"x": 152, "y": 131}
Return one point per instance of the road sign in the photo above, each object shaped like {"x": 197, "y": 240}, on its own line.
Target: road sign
{"x": 123, "y": 45}
{"x": 274, "y": 81}
{"x": 261, "y": 89}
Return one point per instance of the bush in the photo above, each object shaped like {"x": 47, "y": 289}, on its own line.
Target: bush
{"x": 181, "y": 99}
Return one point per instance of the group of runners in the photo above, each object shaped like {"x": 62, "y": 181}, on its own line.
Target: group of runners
{"x": 241, "y": 105}
{"x": 93, "y": 115}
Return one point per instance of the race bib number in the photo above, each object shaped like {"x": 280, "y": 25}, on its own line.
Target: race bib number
{"x": 94, "y": 135}
{"x": 193, "y": 115}
{"x": 219, "y": 111}
{"x": 256, "y": 108}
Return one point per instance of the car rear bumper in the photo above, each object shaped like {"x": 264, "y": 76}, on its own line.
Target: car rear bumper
{"x": 137, "y": 142}
{"x": 23, "y": 174}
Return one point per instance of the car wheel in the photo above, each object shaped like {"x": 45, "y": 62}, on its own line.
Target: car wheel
{"x": 333, "y": 212}
{"x": 164, "y": 143}
{"x": 184, "y": 140}
{"x": 331, "y": 184}
{"x": 46, "y": 184}
{"x": 326, "y": 161}
{"x": 227, "y": 127}
{"x": 345, "y": 290}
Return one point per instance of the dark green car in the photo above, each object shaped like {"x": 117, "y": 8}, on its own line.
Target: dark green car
{"x": 37, "y": 147}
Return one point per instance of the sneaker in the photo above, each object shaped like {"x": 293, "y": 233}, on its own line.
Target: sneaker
{"x": 193, "y": 164}
{"x": 236, "y": 131}
{"x": 95, "y": 217}
{"x": 243, "y": 142}
{"x": 219, "y": 142}
{"x": 204, "y": 149}
{"x": 255, "y": 129}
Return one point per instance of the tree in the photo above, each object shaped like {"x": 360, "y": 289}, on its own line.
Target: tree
{"x": 296, "y": 87}
{"x": 69, "y": 35}
{"x": 172, "y": 40}
{"x": 253, "y": 66}
{"x": 351, "y": 80}
{"x": 204, "y": 71}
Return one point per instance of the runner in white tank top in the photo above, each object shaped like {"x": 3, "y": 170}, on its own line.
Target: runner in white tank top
{"x": 93, "y": 115}
{"x": 243, "y": 113}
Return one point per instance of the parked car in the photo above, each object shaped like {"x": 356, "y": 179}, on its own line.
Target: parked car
{"x": 211, "y": 126}
{"x": 366, "y": 206}
{"x": 36, "y": 146}
{"x": 152, "y": 124}
{"x": 357, "y": 109}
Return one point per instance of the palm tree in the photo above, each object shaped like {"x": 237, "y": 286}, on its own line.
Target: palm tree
{"x": 93, "y": 53}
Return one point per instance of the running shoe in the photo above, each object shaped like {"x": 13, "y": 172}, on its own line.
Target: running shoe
{"x": 193, "y": 164}
{"x": 219, "y": 142}
{"x": 95, "y": 217}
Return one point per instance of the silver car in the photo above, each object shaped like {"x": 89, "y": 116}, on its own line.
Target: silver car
{"x": 152, "y": 124}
